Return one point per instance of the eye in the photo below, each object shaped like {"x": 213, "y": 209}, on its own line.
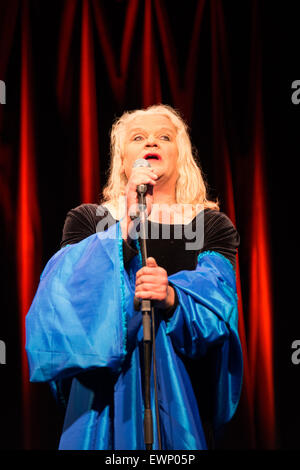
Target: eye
{"x": 137, "y": 137}
{"x": 165, "y": 137}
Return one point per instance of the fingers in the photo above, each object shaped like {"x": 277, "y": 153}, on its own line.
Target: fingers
{"x": 150, "y": 287}
{"x": 143, "y": 176}
{"x": 151, "y": 263}
{"x": 148, "y": 290}
{"x": 151, "y": 281}
{"x": 151, "y": 273}
{"x": 144, "y": 171}
{"x": 139, "y": 176}
{"x": 151, "y": 295}
{"x": 152, "y": 270}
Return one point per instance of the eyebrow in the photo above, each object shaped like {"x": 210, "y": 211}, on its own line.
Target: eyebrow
{"x": 161, "y": 129}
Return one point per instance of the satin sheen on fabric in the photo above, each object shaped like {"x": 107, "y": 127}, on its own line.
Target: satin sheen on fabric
{"x": 82, "y": 326}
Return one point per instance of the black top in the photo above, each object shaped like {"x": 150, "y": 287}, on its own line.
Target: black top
{"x": 166, "y": 243}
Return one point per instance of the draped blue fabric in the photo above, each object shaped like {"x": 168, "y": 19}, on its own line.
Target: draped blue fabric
{"x": 82, "y": 326}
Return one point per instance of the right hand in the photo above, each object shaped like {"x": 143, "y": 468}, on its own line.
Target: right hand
{"x": 139, "y": 175}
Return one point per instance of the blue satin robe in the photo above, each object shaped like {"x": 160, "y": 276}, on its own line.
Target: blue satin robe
{"x": 82, "y": 325}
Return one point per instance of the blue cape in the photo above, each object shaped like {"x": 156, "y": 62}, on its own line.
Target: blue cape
{"x": 82, "y": 326}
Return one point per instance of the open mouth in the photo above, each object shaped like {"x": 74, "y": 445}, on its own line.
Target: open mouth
{"x": 152, "y": 156}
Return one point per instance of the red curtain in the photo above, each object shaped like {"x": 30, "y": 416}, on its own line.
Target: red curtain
{"x": 261, "y": 333}
{"x": 29, "y": 225}
{"x": 139, "y": 65}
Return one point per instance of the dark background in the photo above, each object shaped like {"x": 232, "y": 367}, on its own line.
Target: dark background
{"x": 262, "y": 60}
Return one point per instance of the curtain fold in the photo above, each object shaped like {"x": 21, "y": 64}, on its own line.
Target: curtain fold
{"x": 89, "y": 154}
{"x": 220, "y": 98}
{"x": 28, "y": 226}
{"x": 260, "y": 306}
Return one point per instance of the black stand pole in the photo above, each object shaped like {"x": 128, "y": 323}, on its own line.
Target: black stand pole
{"x": 147, "y": 336}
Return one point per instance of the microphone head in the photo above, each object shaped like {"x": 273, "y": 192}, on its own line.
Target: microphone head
{"x": 141, "y": 162}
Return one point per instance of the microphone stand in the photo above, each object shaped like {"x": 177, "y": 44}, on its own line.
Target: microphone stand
{"x": 146, "y": 316}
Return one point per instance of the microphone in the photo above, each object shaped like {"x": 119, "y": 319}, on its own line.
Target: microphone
{"x": 141, "y": 188}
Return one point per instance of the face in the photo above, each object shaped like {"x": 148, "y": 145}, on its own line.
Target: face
{"x": 152, "y": 137}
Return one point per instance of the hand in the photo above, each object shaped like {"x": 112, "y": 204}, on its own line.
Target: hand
{"x": 152, "y": 283}
{"x": 139, "y": 175}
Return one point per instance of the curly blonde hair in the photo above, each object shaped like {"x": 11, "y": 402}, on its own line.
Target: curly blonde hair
{"x": 190, "y": 185}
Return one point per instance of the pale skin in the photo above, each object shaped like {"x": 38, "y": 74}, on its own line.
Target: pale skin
{"x": 151, "y": 134}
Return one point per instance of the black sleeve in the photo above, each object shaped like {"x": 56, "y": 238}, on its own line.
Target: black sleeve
{"x": 87, "y": 219}
{"x": 220, "y": 235}
{"x": 80, "y": 223}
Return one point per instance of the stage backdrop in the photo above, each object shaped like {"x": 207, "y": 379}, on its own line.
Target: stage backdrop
{"x": 70, "y": 68}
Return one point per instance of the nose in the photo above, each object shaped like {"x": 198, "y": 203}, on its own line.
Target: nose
{"x": 151, "y": 141}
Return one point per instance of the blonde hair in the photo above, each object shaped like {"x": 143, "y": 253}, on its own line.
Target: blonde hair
{"x": 190, "y": 185}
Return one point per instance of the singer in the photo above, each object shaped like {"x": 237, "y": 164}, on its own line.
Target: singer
{"x": 84, "y": 327}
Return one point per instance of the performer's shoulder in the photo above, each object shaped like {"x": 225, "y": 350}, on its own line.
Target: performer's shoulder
{"x": 218, "y": 218}
{"x": 83, "y": 209}
{"x": 89, "y": 211}
{"x": 220, "y": 234}
{"x": 217, "y": 225}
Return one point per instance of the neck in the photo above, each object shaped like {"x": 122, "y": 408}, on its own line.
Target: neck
{"x": 163, "y": 195}
{"x": 163, "y": 205}
{"x": 162, "y": 198}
